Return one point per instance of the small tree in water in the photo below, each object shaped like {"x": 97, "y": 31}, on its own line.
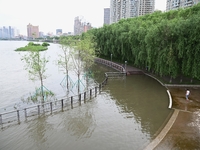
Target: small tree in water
{"x": 36, "y": 67}
{"x": 64, "y": 58}
{"x": 83, "y": 57}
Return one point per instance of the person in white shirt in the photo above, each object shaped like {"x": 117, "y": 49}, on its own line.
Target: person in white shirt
{"x": 187, "y": 94}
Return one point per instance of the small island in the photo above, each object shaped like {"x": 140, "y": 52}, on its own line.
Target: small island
{"x": 34, "y": 47}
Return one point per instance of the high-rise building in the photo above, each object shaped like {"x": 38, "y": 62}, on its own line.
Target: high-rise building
{"x": 41, "y": 34}
{"x": 120, "y": 9}
{"x": 1, "y": 33}
{"x": 106, "y": 15}
{"x": 80, "y": 26}
{"x": 5, "y": 32}
{"x": 8, "y": 32}
{"x": 58, "y": 31}
{"x": 77, "y": 26}
{"x": 32, "y": 31}
{"x": 175, "y": 4}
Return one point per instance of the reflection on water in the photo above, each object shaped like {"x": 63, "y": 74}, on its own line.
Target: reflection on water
{"x": 95, "y": 125}
{"x": 126, "y": 115}
{"x": 143, "y": 98}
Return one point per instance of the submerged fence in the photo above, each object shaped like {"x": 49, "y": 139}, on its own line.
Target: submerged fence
{"x": 28, "y": 113}
{"x": 48, "y": 108}
{"x": 121, "y": 70}
{"x": 111, "y": 64}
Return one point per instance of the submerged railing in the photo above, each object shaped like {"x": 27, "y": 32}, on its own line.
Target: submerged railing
{"x": 121, "y": 70}
{"x": 111, "y": 64}
{"x": 48, "y": 108}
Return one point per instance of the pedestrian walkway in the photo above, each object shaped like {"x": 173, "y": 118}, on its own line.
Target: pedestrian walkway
{"x": 182, "y": 132}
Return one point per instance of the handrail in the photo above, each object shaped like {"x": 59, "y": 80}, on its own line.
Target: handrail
{"x": 49, "y": 105}
{"x": 110, "y": 64}
{"x": 71, "y": 99}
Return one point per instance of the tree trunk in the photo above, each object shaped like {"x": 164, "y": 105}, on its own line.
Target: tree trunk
{"x": 78, "y": 83}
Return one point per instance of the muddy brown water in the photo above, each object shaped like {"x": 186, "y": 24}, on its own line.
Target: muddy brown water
{"x": 128, "y": 113}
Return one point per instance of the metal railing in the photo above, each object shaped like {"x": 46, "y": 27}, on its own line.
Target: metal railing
{"x": 115, "y": 74}
{"x": 111, "y": 64}
{"x": 48, "y": 108}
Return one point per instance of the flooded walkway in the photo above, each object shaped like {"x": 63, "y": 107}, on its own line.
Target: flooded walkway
{"x": 182, "y": 132}
{"x": 185, "y": 131}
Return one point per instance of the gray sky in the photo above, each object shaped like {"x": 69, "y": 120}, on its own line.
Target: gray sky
{"x": 50, "y": 15}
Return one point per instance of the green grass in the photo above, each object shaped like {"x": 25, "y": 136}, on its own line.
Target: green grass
{"x": 34, "y": 47}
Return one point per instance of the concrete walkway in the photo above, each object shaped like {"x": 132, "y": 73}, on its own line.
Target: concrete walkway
{"x": 182, "y": 132}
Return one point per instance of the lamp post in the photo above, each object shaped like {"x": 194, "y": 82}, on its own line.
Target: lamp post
{"x": 111, "y": 57}
{"x": 125, "y": 65}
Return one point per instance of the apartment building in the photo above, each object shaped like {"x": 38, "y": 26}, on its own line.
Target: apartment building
{"x": 81, "y": 26}
{"x": 59, "y": 32}
{"x": 120, "y": 9}
{"x": 32, "y": 31}
{"x": 106, "y": 16}
{"x": 175, "y": 4}
{"x": 8, "y": 32}
{"x": 146, "y": 7}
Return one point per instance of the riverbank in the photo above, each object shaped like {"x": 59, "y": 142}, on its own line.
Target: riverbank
{"x": 182, "y": 132}
{"x": 183, "y": 128}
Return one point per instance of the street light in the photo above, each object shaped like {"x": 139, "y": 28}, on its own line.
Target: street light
{"x": 111, "y": 60}
{"x": 125, "y": 65}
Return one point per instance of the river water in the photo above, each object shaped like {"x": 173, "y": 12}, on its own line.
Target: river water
{"x": 128, "y": 113}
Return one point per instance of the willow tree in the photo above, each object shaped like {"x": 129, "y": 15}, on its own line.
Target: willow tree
{"x": 168, "y": 43}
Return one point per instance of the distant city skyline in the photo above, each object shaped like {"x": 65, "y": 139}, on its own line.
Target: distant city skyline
{"x": 52, "y": 15}
{"x": 8, "y": 32}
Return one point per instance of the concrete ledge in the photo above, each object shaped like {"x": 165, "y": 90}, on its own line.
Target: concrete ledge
{"x": 170, "y": 99}
{"x": 163, "y": 133}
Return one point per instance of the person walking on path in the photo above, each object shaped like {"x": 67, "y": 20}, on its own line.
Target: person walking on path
{"x": 187, "y": 94}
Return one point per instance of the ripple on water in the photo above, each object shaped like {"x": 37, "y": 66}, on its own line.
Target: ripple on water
{"x": 94, "y": 125}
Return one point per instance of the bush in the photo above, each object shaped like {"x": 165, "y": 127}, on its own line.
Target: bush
{"x": 45, "y": 44}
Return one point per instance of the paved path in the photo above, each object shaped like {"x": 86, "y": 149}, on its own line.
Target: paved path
{"x": 182, "y": 132}
{"x": 185, "y": 131}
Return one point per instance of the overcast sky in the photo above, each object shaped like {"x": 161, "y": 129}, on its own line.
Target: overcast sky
{"x": 50, "y": 15}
